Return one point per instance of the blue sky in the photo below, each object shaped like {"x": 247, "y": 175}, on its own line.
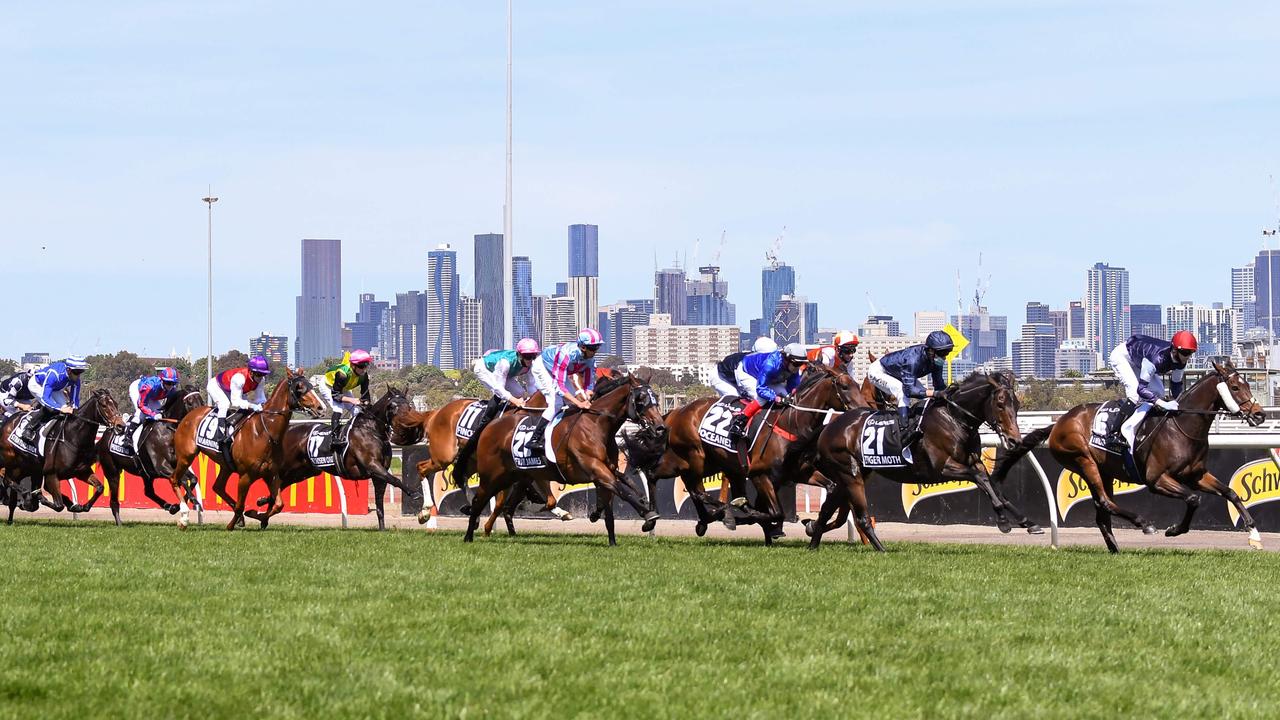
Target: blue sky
{"x": 894, "y": 142}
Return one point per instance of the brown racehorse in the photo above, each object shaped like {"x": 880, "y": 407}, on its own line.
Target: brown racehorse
{"x": 821, "y": 395}
{"x": 1171, "y": 451}
{"x": 256, "y": 450}
{"x": 368, "y": 451}
{"x": 69, "y": 453}
{"x": 950, "y": 450}
{"x": 154, "y": 459}
{"x": 584, "y": 447}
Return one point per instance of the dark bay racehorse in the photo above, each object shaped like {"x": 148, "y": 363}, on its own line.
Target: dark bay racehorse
{"x": 584, "y": 447}
{"x": 368, "y": 451}
{"x": 950, "y": 450}
{"x": 256, "y": 450}
{"x": 821, "y": 395}
{"x": 69, "y": 453}
{"x": 1171, "y": 451}
{"x": 154, "y": 458}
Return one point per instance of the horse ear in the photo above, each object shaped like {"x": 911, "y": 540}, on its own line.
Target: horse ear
{"x": 1218, "y": 367}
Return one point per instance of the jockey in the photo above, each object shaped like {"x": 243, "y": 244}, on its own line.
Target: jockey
{"x": 57, "y": 386}
{"x": 227, "y": 389}
{"x": 1138, "y": 365}
{"x": 565, "y": 373}
{"x": 149, "y": 394}
{"x": 725, "y": 383}
{"x": 15, "y": 396}
{"x": 838, "y": 354}
{"x": 898, "y": 375}
{"x": 336, "y": 386}
{"x": 767, "y": 378}
{"x": 507, "y": 374}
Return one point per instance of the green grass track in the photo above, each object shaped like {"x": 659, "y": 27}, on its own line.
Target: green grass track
{"x": 147, "y": 621}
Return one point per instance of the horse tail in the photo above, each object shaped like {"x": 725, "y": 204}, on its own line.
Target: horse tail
{"x": 1028, "y": 443}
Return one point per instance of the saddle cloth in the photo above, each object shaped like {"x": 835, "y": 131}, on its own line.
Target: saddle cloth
{"x": 315, "y": 441}
{"x": 1106, "y": 424}
{"x": 881, "y": 444}
{"x": 468, "y": 419}
{"x": 42, "y": 437}
{"x": 126, "y": 445}
{"x": 714, "y": 426}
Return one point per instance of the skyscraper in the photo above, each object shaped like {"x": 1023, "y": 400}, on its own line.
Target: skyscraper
{"x": 789, "y": 319}
{"x": 559, "y": 320}
{"x": 1058, "y": 319}
{"x": 988, "y": 335}
{"x": 584, "y": 251}
{"x": 366, "y": 331}
{"x": 272, "y": 347}
{"x": 443, "y": 343}
{"x": 471, "y": 329}
{"x": 319, "y": 307}
{"x": 1035, "y": 354}
{"x": 489, "y": 288}
{"x": 1266, "y": 285}
{"x": 1037, "y": 312}
{"x": 810, "y": 323}
{"x": 1075, "y": 320}
{"x": 622, "y": 319}
{"x": 522, "y": 299}
{"x": 408, "y": 328}
{"x": 1106, "y": 308}
{"x": 670, "y": 294}
{"x": 926, "y": 321}
{"x": 585, "y": 290}
{"x": 776, "y": 279}
{"x": 1242, "y": 298}
{"x": 707, "y": 300}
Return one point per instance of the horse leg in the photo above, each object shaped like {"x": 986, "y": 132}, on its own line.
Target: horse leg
{"x": 92, "y": 481}
{"x": 1108, "y": 485}
{"x": 1103, "y": 504}
{"x": 149, "y": 489}
{"x": 112, "y": 475}
{"x": 977, "y": 474}
{"x": 237, "y": 508}
{"x": 55, "y": 501}
{"x": 379, "y": 489}
{"x": 499, "y": 503}
{"x": 605, "y": 498}
{"x": 825, "y": 512}
{"x": 1209, "y": 483}
{"x": 628, "y": 494}
{"x": 1167, "y": 486}
{"x": 11, "y": 499}
{"x": 477, "y": 505}
{"x": 698, "y": 494}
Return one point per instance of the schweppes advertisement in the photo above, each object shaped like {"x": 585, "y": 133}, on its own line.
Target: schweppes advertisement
{"x": 1256, "y": 483}
{"x": 913, "y": 493}
{"x": 1072, "y": 490}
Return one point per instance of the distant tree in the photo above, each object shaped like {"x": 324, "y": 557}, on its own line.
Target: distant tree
{"x": 7, "y": 366}
{"x": 1072, "y": 374}
{"x": 608, "y": 361}
{"x": 115, "y": 372}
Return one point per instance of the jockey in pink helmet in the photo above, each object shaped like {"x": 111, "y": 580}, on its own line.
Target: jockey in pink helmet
{"x": 339, "y": 386}
{"x": 506, "y": 373}
{"x": 566, "y": 374}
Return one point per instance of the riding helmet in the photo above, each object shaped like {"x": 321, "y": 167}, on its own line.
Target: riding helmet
{"x": 939, "y": 342}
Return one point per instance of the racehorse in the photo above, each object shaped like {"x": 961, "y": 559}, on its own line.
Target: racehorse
{"x": 1171, "y": 450}
{"x": 154, "y": 457}
{"x": 821, "y": 395}
{"x": 69, "y": 453}
{"x": 950, "y": 450}
{"x": 583, "y": 445}
{"x": 367, "y": 455}
{"x": 256, "y": 452}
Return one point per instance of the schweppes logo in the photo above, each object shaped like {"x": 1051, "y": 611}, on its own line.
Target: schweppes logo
{"x": 1256, "y": 483}
{"x": 913, "y": 493}
{"x": 1072, "y": 490}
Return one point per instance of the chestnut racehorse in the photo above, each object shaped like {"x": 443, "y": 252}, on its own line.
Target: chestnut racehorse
{"x": 368, "y": 450}
{"x": 1171, "y": 451}
{"x": 256, "y": 451}
{"x": 950, "y": 450}
{"x": 821, "y": 395}
{"x": 584, "y": 447}
{"x": 155, "y": 458}
{"x": 69, "y": 453}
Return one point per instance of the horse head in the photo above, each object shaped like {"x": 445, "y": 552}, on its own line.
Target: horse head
{"x": 643, "y": 409}
{"x": 183, "y": 401}
{"x": 991, "y": 398}
{"x": 102, "y": 409}
{"x": 1235, "y": 395}
{"x": 302, "y": 395}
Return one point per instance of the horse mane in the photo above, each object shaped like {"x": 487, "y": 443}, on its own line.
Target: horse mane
{"x": 813, "y": 376}
{"x": 609, "y": 384}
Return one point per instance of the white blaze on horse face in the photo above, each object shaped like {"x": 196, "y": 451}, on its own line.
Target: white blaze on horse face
{"x": 1230, "y": 402}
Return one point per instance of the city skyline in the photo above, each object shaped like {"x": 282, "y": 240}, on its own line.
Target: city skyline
{"x": 1004, "y": 133}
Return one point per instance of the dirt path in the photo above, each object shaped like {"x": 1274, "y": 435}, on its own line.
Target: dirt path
{"x": 889, "y": 532}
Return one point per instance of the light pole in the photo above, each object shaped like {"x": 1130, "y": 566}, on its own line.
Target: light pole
{"x": 208, "y": 367}
{"x": 509, "y": 311}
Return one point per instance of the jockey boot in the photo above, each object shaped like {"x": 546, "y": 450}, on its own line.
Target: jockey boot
{"x": 331, "y": 443}
{"x": 1131, "y": 467}
{"x": 224, "y": 436}
{"x": 537, "y": 442}
{"x": 907, "y": 433}
{"x": 738, "y": 426}
{"x": 40, "y": 414}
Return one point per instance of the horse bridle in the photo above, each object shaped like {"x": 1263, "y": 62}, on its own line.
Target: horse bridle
{"x": 946, "y": 398}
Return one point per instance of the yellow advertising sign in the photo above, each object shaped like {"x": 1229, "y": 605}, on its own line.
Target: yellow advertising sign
{"x": 1256, "y": 483}
{"x": 1072, "y": 489}
{"x": 912, "y": 494}
{"x": 961, "y": 342}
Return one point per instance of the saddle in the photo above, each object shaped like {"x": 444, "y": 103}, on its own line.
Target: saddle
{"x": 1106, "y": 426}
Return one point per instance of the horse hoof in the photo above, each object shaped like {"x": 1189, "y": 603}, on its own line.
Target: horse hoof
{"x": 700, "y": 528}
{"x": 808, "y": 529}
{"x": 1004, "y": 526}
{"x": 1148, "y": 529}
{"x": 171, "y": 509}
{"x": 738, "y": 502}
{"x": 1171, "y": 531}
{"x": 182, "y": 524}
{"x": 240, "y": 523}
{"x": 566, "y": 517}
{"x": 464, "y": 509}
{"x": 594, "y": 516}
{"x": 649, "y": 523}
{"x": 423, "y": 517}
{"x": 1034, "y": 529}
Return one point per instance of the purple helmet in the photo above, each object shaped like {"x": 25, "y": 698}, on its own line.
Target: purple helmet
{"x": 169, "y": 375}
{"x": 259, "y": 364}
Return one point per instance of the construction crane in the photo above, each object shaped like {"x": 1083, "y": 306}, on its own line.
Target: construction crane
{"x": 771, "y": 254}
